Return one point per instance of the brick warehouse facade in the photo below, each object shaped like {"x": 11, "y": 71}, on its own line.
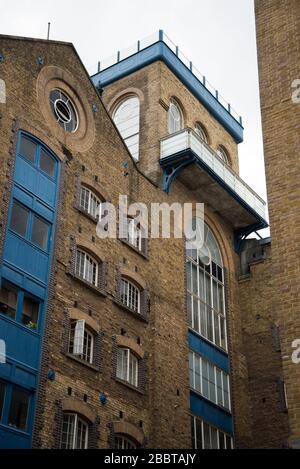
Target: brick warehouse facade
{"x": 54, "y": 391}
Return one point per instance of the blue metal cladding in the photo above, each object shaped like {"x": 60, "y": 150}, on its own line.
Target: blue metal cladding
{"x": 25, "y": 267}
{"x": 160, "y": 51}
{"x": 201, "y": 407}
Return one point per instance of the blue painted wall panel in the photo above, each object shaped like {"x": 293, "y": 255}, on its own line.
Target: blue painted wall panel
{"x": 10, "y": 439}
{"x": 210, "y": 413}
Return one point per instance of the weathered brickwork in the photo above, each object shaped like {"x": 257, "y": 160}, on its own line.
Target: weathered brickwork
{"x": 278, "y": 37}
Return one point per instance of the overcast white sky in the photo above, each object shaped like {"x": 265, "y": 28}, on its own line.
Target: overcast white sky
{"x": 217, "y": 35}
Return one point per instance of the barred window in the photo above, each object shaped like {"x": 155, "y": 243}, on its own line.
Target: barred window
{"x": 209, "y": 381}
{"x": 130, "y": 295}
{"x": 123, "y": 442}
{"x": 206, "y": 291}
{"x": 127, "y": 120}
{"x": 74, "y": 432}
{"x": 205, "y": 436}
{"x": 86, "y": 267}
{"x": 89, "y": 202}
{"x": 127, "y": 366}
{"x": 81, "y": 342}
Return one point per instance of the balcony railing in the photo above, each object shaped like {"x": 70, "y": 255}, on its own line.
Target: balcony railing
{"x": 187, "y": 139}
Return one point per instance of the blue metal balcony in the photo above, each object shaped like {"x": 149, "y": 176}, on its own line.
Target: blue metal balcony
{"x": 160, "y": 47}
{"x": 184, "y": 156}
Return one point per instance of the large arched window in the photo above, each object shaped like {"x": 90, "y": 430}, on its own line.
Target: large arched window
{"x": 175, "y": 117}
{"x": 127, "y": 119}
{"x": 206, "y": 290}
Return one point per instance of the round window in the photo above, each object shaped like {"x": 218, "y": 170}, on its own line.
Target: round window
{"x": 64, "y": 110}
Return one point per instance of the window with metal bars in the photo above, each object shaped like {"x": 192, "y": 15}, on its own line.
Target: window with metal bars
{"x": 206, "y": 291}
{"x": 130, "y": 295}
{"x": 123, "y": 442}
{"x": 74, "y": 432}
{"x": 86, "y": 267}
{"x": 127, "y": 366}
{"x": 209, "y": 381}
{"x": 205, "y": 436}
{"x": 89, "y": 202}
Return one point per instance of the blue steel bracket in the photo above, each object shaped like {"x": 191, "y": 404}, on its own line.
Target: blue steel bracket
{"x": 241, "y": 235}
{"x": 172, "y": 170}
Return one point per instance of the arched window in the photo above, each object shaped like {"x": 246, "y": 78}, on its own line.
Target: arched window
{"x": 86, "y": 267}
{"x": 206, "y": 290}
{"x": 223, "y": 154}
{"x": 74, "y": 432}
{"x": 201, "y": 132}
{"x": 2, "y": 92}
{"x": 175, "y": 117}
{"x": 81, "y": 343}
{"x": 127, "y": 120}
{"x": 89, "y": 202}
{"x": 123, "y": 442}
{"x": 127, "y": 366}
{"x": 130, "y": 295}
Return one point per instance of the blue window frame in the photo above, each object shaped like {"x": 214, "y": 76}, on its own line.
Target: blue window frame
{"x": 29, "y": 225}
{"x": 15, "y": 407}
{"x": 20, "y": 306}
{"x": 36, "y": 155}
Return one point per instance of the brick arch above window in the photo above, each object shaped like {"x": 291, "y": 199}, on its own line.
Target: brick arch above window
{"x": 127, "y": 342}
{"x": 130, "y": 430}
{"x": 133, "y": 277}
{"x": 126, "y": 93}
{"x": 76, "y": 406}
{"x": 77, "y": 315}
{"x": 89, "y": 248}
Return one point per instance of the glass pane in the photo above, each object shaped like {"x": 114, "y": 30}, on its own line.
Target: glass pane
{"x": 207, "y": 442}
{"x": 212, "y": 386}
{"x": 30, "y": 313}
{"x": 67, "y": 435}
{"x": 221, "y": 440}
{"x": 193, "y": 432}
{"x": 199, "y": 434}
{"x": 8, "y": 301}
{"x": 19, "y": 219}
{"x": 214, "y": 438}
{"x": 196, "y": 314}
{"x": 19, "y": 409}
{"x": 47, "y": 164}
{"x": 28, "y": 149}
{"x": 189, "y": 275}
{"x": 197, "y": 374}
{"x": 228, "y": 442}
{"x": 40, "y": 232}
{"x": 2, "y": 395}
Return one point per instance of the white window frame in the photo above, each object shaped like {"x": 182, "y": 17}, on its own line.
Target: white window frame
{"x": 125, "y": 132}
{"x": 193, "y": 357}
{"x": 88, "y": 261}
{"x": 74, "y": 427}
{"x": 220, "y": 434}
{"x": 134, "y": 234}
{"x": 80, "y": 341}
{"x": 126, "y": 358}
{"x": 126, "y": 443}
{"x": 173, "y": 124}
{"x": 87, "y": 195}
{"x": 131, "y": 294}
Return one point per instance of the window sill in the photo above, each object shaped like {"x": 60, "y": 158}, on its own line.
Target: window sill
{"x": 89, "y": 285}
{"x": 86, "y": 214}
{"x": 141, "y": 253}
{"x": 130, "y": 311}
{"x": 130, "y": 386}
{"x": 82, "y": 362}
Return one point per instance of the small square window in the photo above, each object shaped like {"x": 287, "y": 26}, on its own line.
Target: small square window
{"x": 19, "y": 219}
{"x": 28, "y": 149}
{"x": 47, "y": 164}
{"x": 40, "y": 233}
{"x": 19, "y": 409}
{"x": 8, "y": 301}
{"x": 30, "y": 312}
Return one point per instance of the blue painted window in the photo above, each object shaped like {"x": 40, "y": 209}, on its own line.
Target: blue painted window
{"x": 15, "y": 405}
{"x": 19, "y": 306}
{"x": 30, "y": 226}
{"x": 205, "y": 436}
{"x": 38, "y": 156}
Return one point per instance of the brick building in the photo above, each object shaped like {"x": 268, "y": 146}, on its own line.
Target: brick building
{"x": 131, "y": 342}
